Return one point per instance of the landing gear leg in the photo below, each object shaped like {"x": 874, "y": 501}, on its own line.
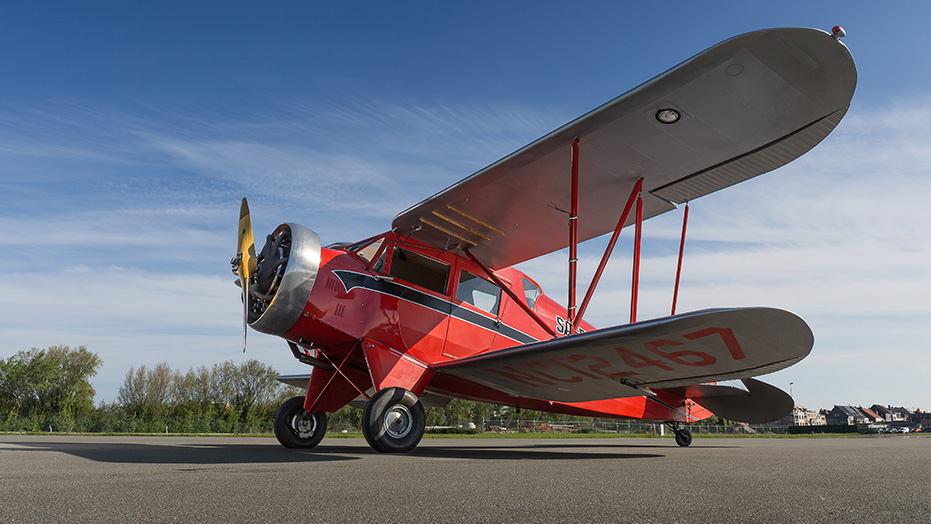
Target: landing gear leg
{"x": 393, "y": 421}
{"x": 683, "y": 436}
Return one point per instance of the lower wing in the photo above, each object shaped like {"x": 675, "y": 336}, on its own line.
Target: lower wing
{"x": 672, "y": 352}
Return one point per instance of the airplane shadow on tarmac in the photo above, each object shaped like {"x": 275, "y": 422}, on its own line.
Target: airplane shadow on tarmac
{"x": 208, "y": 453}
{"x": 525, "y": 453}
{"x": 200, "y": 454}
{"x": 549, "y": 451}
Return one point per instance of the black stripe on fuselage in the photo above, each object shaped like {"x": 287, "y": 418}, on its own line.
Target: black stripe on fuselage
{"x": 352, "y": 280}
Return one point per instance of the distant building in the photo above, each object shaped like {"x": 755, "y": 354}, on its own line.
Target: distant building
{"x": 871, "y": 416}
{"x": 922, "y": 418}
{"x": 882, "y": 411}
{"x": 820, "y": 418}
{"x": 802, "y": 416}
{"x": 889, "y": 414}
{"x": 845, "y": 416}
{"x": 904, "y": 414}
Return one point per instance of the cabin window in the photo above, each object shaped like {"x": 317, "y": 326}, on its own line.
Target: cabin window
{"x": 531, "y": 292}
{"x": 370, "y": 250}
{"x": 366, "y": 250}
{"x": 419, "y": 270}
{"x": 478, "y": 292}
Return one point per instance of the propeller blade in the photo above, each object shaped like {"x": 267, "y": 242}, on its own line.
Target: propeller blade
{"x": 245, "y": 313}
{"x": 245, "y": 245}
{"x": 247, "y": 261}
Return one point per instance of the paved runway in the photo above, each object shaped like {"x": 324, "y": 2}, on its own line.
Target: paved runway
{"x": 219, "y": 479}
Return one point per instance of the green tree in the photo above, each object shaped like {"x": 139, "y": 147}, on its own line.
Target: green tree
{"x": 458, "y": 412}
{"x": 255, "y": 385}
{"x": 147, "y": 392}
{"x": 70, "y": 391}
{"x": 223, "y": 381}
{"x": 24, "y": 377}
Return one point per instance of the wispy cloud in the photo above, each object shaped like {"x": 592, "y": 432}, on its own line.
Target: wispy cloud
{"x": 121, "y": 239}
{"x": 131, "y": 318}
{"x": 837, "y": 236}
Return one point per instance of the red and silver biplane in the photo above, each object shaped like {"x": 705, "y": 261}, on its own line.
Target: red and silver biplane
{"x": 432, "y": 309}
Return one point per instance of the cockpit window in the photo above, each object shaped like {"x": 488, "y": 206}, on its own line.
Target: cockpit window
{"x": 478, "y": 292}
{"x": 420, "y": 270}
{"x": 531, "y": 292}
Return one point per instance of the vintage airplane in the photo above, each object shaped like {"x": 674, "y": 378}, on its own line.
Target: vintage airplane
{"x": 432, "y": 309}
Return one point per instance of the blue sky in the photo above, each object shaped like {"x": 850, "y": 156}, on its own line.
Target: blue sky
{"x": 129, "y": 132}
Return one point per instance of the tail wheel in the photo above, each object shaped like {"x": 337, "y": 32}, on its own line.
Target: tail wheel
{"x": 393, "y": 421}
{"x": 294, "y": 429}
{"x": 683, "y": 437}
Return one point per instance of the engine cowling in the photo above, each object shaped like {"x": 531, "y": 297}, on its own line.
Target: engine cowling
{"x": 283, "y": 279}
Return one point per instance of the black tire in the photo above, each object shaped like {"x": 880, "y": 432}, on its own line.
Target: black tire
{"x": 683, "y": 437}
{"x": 295, "y": 431}
{"x": 393, "y": 421}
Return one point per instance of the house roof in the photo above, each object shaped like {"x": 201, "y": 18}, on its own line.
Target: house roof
{"x": 869, "y": 413}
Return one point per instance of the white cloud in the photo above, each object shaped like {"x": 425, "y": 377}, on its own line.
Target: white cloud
{"x": 132, "y": 318}
{"x": 838, "y": 236}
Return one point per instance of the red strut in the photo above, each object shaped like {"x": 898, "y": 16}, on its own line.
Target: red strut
{"x": 607, "y": 254}
{"x": 573, "y": 232}
{"x": 635, "y": 279}
{"x": 675, "y": 293}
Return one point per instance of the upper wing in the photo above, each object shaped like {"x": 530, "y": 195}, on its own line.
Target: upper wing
{"x": 749, "y": 105}
{"x": 705, "y": 346}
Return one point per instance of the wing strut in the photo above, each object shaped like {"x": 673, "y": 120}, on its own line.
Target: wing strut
{"x": 635, "y": 279}
{"x": 573, "y": 233}
{"x": 675, "y": 293}
{"x": 634, "y": 194}
{"x": 507, "y": 289}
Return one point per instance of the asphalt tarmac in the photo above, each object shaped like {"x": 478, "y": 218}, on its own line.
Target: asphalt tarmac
{"x": 225, "y": 479}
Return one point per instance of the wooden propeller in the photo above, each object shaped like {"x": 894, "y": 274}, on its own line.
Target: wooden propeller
{"x": 244, "y": 263}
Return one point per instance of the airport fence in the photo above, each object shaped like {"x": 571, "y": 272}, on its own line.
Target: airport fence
{"x": 111, "y": 423}
{"x": 350, "y": 422}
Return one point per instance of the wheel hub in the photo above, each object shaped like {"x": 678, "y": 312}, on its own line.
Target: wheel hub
{"x": 398, "y": 421}
{"x": 304, "y": 426}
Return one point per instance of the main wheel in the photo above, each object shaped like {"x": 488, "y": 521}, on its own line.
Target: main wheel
{"x": 683, "y": 437}
{"x": 393, "y": 421}
{"x": 294, "y": 430}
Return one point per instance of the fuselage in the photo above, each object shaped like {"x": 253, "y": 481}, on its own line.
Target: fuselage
{"x": 430, "y": 306}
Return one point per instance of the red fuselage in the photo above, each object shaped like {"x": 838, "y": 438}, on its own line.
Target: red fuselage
{"x": 419, "y": 306}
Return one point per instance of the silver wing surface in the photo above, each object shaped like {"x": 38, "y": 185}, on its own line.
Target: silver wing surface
{"x": 623, "y": 361}
{"x": 748, "y": 105}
